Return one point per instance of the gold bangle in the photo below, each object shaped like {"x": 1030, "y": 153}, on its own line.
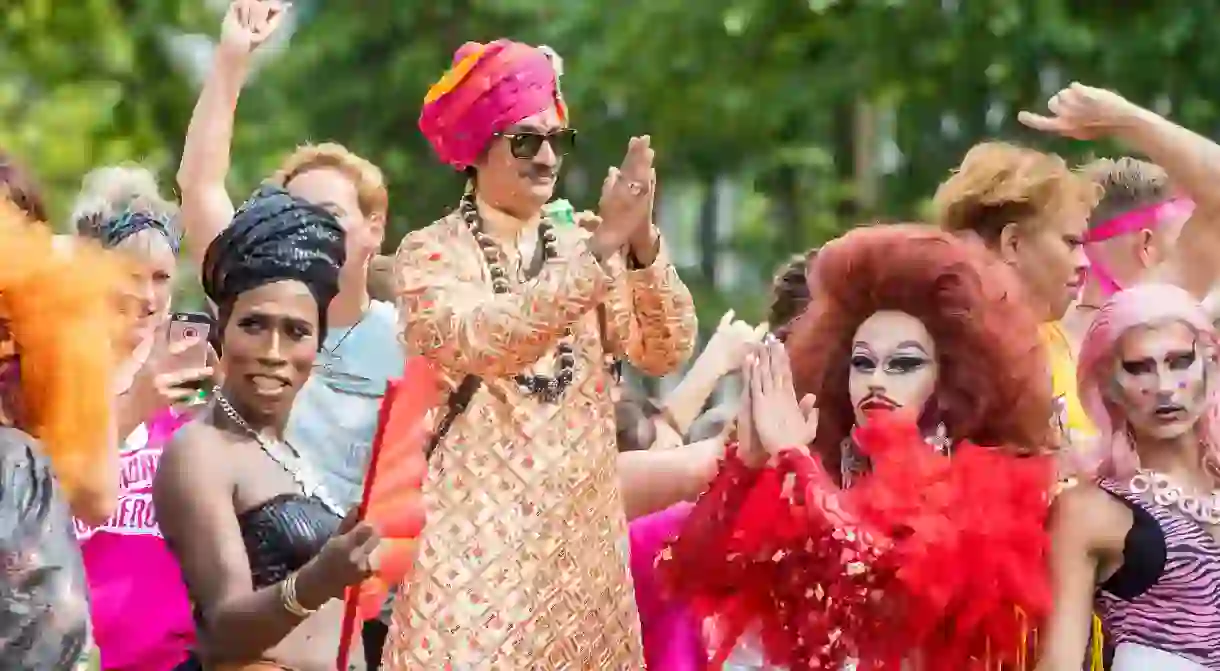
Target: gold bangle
{"x": 288, "y": 597}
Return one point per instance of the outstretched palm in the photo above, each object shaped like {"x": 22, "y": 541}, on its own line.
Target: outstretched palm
{"x": 780, "y": 420}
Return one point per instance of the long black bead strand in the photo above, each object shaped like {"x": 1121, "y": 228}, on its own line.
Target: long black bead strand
{"x": 549, "y": 388}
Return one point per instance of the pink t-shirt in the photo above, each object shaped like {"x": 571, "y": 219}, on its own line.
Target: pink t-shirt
{"x": 140, "y": 610}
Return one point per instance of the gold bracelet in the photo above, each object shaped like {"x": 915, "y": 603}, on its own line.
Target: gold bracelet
{"x": 288, "y": 597}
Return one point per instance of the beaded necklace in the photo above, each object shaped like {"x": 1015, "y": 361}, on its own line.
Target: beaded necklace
{"x": 549, "y": 388}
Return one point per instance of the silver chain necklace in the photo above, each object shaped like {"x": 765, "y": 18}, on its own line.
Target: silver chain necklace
{"x": 283, "y": 454}
{"x": 332, "y": 353}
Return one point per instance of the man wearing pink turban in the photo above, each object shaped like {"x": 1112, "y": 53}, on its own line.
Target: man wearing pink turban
{"x": 523, "y": 563}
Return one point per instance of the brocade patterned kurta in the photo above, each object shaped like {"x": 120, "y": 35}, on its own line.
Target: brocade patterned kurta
{"x": 523, "y": 562}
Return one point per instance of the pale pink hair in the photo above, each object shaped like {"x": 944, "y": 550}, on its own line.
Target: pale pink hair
{"x": 1142, "y": 305}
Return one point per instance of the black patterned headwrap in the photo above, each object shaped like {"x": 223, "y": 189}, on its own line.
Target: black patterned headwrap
{"x": 113, "y": 231}
{"x": 275, "y": 237}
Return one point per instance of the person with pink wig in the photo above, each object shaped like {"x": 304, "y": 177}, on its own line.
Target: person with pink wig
{"x": 525, "y": 308}
{"x": 1140, "y": 543}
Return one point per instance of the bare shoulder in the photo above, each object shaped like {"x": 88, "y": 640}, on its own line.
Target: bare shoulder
{"x": 1087, "y": 513}
{"x": 193, "y": 451}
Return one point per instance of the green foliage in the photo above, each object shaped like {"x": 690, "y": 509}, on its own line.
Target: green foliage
{"x": 764, "y": 91}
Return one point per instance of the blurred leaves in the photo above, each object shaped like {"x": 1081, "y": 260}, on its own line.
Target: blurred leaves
{"x": 768, "y": 92}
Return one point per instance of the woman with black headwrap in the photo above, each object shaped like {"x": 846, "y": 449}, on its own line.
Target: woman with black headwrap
{"x": 261, "y": 543}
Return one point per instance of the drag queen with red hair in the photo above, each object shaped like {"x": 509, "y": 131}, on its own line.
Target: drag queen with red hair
{"x": 898, "y": 536}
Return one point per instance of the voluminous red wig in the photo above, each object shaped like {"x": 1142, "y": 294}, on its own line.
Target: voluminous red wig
{"x": 994, "y": 385}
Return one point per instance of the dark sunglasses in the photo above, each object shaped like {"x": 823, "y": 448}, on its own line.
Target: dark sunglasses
{"x": 527, "y": 145}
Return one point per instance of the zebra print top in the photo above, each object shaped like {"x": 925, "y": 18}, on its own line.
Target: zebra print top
{"x": 1178, "y": 611}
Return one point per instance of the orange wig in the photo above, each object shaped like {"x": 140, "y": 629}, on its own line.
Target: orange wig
{"x": 59, "y": 315}
{"x": 994, "y": 384}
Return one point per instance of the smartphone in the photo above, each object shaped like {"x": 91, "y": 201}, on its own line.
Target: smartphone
{"x": 195, "y": 326}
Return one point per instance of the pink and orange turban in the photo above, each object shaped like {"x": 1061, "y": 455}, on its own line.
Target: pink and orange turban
{"x": 489, "y": 88}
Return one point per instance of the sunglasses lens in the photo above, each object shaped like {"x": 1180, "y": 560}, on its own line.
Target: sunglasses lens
{"x": 525, "y": 145}
{"x": 563, "y": 141}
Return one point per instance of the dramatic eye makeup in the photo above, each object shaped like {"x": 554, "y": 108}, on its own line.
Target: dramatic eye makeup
{"x": 908, "y": 357}
{"x": 1177, "y": 360}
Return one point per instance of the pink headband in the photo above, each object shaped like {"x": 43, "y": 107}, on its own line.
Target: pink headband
{"x": 1139, "y": 219}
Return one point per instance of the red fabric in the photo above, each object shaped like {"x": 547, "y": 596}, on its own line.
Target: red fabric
{"x": 393, "y": 491}
{"x": 944, "y": 557}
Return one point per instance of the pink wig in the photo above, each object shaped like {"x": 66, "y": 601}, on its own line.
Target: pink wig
{"x": 1142, "y": 305}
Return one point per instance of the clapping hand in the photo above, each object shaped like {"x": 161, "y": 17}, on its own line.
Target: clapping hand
{"x": 771, "y": 418}
{"x": 732, "y": 342}
{"x": 626, "y": 201}
{"x": 780, "y": 420}
{"x": 1081, "y": 112}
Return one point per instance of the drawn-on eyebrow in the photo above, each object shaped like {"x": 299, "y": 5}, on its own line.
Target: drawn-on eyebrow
{"x": 911, "y": 344}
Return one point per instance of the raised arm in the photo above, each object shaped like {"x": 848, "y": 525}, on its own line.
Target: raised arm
{"x": 206, "y": 207}
{"x": 451, "y": 316}
{"x": 652, "y": 317}
{"x": 723, "y": 354}
{"x": 1191, "y": 161}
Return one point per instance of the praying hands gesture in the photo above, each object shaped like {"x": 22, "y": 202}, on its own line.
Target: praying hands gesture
{"x": 1082, "y": 113}
{"x": 771, "y": 418}
{"x": 626, "y": 205}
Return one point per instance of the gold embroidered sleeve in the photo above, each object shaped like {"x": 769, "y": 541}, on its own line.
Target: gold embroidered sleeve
{"x": 451, "y": 316}
{"x": 652, "y": 316}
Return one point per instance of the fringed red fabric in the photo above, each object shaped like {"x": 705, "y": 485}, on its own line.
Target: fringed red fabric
{"x": 929, "y": 556}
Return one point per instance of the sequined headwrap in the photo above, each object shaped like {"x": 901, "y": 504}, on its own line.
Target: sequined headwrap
{"x": 489, "y": 88}
{"x": 113, "y": 231}
{"x": 275, "y": 237}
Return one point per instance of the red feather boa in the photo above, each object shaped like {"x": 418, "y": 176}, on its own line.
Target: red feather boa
{"x": 928, "y": 556}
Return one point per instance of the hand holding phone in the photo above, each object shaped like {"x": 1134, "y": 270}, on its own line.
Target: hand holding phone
{"x": 188, "y": 339}
{"x": 183, "y": 367}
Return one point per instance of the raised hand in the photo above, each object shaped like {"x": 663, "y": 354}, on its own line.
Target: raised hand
{"x": 749, "y": 447}
{"x": 1081, "y": 112}
{"x": 732, "y": 342}
{"x": 250, "y": 23}
{"x": 627, "y": 199}
{"x": 780, "y": 420}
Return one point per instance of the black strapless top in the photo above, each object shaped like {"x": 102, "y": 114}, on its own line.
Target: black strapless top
{"x": 283, "y": 533}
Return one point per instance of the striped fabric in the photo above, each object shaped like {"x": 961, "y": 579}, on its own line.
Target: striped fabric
{"x": 1180, "y": 614}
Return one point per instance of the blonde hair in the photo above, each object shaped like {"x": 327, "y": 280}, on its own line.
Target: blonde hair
{"x": 370, "y": 183}
{"x": 999, "y": 184}
{"x": 108, "y": 191}
{"x": 1126, "y": 184}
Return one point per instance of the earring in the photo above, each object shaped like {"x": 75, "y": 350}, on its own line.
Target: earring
{"x": 940, "y": 440}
